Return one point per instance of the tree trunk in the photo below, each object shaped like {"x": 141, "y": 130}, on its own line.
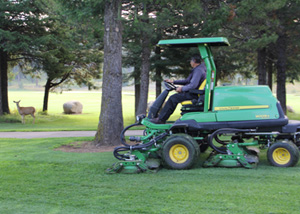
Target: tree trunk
{"x": 158, "y": 82}
{"x": 261, "y": 66}
{"x": 46, "y": 94}
{"x": 281, "y": 69}
{"x": 145, "y": 69}
{"x": 111, "y": 118}
{"x": 270, "y": 73}
{"x": 158, "y": 72}
{"x": 4, "y": 109}
{"x": 137, "y": 88}
{"x": 2, "y": 70}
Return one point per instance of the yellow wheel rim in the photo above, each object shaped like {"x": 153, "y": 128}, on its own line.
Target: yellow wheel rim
{"x": 281, "y": 156}
{"x": 179, "y": 153}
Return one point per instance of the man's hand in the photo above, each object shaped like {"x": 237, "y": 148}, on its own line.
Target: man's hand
{"x": 179, "y": 89}
{"x": 169, "y": 80}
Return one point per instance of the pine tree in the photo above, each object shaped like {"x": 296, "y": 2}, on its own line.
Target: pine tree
{"x": 23, "y": 27}
{"x": 71, "y": 53}
{"x": 265, "y": 30}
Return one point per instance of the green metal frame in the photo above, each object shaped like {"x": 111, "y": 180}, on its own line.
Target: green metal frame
{"x": 206, "y": 55}
{"x": 237, "y": 157}
{"x": 203, "y": 45}
{"x": 139, "y": 164}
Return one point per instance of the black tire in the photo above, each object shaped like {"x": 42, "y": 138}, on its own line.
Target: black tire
{"x": 283, "y": 154}
{"x": 180, "y": 151}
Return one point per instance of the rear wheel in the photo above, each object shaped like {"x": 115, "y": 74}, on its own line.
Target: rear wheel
{"x": 180, "y": 151}
{"x": 283, "y": 154}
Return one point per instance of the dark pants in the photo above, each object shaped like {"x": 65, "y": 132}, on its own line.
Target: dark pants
{"x": 172, "y": 102}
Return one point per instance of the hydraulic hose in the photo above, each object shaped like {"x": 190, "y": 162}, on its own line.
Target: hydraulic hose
{"x": 223, "y": 131}
{"x": 123, "y": 141}
{"x": 135, "y": 147}
{"x": 221, "y": 141}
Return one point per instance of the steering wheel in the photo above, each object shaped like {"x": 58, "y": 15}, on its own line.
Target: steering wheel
{"x": 169, "y": 86}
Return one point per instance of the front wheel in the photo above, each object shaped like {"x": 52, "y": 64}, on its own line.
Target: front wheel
{"x": 283, "y": 154}
{"x": 180, "y": 151}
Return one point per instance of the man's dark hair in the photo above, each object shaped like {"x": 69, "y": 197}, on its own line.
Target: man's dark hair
{"x": 196, "y": 58}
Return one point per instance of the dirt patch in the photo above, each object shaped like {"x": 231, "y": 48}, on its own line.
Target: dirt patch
{"x": 84, "y": 147}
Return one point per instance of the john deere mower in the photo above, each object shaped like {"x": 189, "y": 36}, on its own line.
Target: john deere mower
{"x": 235, "y": 121}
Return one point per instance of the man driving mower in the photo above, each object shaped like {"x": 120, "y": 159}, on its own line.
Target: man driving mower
{"x": 193, "y": 81}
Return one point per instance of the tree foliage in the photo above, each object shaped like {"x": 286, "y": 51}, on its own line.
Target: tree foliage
{"x": 267, "y": 30}
{"x": 71, "y": 55}
{"x": 23, "y": 29}
{"x": 145, "y": 24}
{"x": 47, "y": 34}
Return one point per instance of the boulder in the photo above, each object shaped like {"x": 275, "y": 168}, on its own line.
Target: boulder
{"x": 72, "y": 107}
{"x": 290, "y": 109}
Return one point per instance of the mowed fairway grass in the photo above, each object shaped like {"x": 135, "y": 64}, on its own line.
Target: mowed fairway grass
{"x": 34, "y": 178}
{"x": 56, "y": 120}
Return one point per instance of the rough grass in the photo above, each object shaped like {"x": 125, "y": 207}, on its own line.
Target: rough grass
{"x": 36, "y": 179}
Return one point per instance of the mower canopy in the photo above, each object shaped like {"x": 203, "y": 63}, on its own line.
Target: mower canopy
{"x": 203, "y": 45}
{"x": 195, "y": 42}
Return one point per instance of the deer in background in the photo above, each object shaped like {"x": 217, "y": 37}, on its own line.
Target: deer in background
{"x": 25, "y": 111}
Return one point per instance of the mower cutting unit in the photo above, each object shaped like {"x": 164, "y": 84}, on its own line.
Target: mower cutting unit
{"x": 235, "y": 121}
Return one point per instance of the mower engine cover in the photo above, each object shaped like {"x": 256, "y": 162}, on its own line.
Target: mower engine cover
{"x": 239, "y": 103}
{"x": 238, "y": 107}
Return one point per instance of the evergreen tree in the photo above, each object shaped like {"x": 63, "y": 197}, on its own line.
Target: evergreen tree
{"x": 261, "y": 34}
{"x": 287, "y": 29}
{"x": 269, "y": 29}
{"x": 23, "y": 28}
{"x": 71, "y": 54}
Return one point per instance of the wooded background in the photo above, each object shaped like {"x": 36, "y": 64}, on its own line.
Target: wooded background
{"x": 70, "y": 42}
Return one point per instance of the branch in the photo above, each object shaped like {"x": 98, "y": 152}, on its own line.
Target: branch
{"x": 61, "y": 81}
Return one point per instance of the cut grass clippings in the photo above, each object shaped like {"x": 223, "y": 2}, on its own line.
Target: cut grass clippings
{"x": 34, "y": 178}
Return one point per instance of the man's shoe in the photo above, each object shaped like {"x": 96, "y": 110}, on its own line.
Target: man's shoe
{"x": 157, "y": 121}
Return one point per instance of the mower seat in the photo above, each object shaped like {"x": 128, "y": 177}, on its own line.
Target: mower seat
{"x": 196, "y": 104}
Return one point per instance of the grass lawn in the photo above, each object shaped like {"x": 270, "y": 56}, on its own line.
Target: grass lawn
{"x": 56, "y": 120}
{"x": 36, "y": 179}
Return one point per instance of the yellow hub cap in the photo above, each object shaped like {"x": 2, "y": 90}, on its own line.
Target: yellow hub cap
{"x": 281, "y": 156}
{"x": 179, "y": 153}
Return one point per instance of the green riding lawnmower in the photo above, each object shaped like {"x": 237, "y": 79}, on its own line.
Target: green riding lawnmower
{"x": 233, "y": 120}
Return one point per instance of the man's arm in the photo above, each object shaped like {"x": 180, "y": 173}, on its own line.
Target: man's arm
{"x": 198, "y": 75}
{"x": 177, "y": 82}
{"x": 183, "y": 81}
